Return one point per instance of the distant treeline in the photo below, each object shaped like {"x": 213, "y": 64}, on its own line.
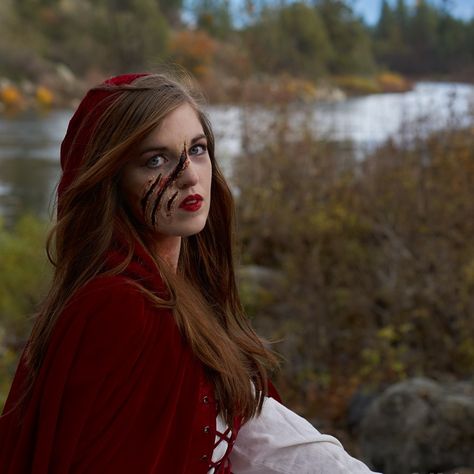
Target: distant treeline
{"x": 310, "y": 40}
{"x": 423, "y": 39}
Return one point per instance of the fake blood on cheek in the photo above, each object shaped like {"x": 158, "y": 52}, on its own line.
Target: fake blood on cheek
{"x": 149, "y": 192}
{"x": 161, "y": 185}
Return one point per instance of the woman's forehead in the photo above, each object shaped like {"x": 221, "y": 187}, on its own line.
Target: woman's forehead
{"x": 182, "y": 125}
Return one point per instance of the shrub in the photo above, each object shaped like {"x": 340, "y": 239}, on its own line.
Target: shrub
{"x": 376, "y": 258}
{"x": 358, "y": 85}
{"x": 23, "y": 279}
{"x": 392, "y": 82}
{"x": 194, "y": 50}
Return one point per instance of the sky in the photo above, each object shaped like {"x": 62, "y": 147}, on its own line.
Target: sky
{"x": 370, "y": 9}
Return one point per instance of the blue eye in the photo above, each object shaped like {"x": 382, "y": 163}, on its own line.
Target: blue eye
{"x": 198, "y": 149}
{"x": 155, "y": 161}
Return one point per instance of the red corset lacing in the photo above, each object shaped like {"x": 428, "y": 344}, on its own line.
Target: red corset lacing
{"x": 222, "y": 466}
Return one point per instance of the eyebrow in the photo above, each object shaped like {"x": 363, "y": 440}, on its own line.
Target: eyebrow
{"x": 159, "y": 148}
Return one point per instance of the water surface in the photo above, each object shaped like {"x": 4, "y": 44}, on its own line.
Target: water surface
{"x": 29, "y": 143}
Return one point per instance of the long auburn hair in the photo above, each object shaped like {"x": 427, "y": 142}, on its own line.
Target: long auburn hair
{"x": 203, "y": 291}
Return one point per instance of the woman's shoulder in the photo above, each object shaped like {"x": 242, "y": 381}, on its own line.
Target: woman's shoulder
{"x": 106, "y": 286}
{"x": 109, "y": 321}
{"x": 112, "y": 303}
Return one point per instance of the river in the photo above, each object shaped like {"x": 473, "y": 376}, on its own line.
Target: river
{"x": 29, "y": 142}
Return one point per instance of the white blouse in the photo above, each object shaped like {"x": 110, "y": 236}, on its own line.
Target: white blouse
{"x": 281, "y": 442}
{"x": 221, "y": 443}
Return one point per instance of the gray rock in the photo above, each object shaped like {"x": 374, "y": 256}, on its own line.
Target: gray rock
{"x": 419, "y": 426}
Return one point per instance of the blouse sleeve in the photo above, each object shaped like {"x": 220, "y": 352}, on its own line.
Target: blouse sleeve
{"x": 281, "y": 442}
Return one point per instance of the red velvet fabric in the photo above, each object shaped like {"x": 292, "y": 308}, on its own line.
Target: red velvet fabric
{"x": 83, "y": 124}
{"x": 119, "y": 390}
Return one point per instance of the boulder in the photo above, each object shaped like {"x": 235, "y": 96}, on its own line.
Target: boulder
{"x": 420, "y": 426}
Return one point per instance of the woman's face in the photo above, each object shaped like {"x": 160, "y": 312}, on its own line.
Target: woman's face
{"x": 167, "y": 183}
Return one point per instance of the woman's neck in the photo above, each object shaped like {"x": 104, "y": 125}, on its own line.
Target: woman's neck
{"x": 167, "y": 248}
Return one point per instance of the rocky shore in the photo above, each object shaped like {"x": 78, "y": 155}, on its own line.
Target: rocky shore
{"x": 420, "y": 426}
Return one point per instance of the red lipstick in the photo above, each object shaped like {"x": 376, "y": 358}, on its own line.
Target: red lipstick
{"x": 191, "y": 203}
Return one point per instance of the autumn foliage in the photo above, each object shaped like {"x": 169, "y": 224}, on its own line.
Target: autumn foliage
{"x": 373, "y": 261}
{"x": 195, "y": 50}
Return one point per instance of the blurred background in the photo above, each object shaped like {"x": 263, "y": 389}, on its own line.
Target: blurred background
{"x": 346, "y": 129}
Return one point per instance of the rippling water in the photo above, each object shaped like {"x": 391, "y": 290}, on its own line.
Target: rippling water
{"x": 29, "y": 143}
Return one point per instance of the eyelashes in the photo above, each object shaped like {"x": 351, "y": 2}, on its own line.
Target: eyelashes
{"x": 202, "y": 146}
{"x": 158, "y": 160}
{"x": 151, "y": 163}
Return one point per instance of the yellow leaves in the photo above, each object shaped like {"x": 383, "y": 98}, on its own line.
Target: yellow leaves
{"x": 358, "y": 84}
{"x": 335, "y": 218}
{"x": 388, "y": 351}
{"x": 11, "y": 97}
{"x": 387, "y": 333}
{"x": 392, "y": 82}
{"x": 394, "y": 333}
{"x": 383, "y": 82}
{"x": 15, "y": 99}
{"x": 44, "y": 96}
{"x": 322, "y": 222}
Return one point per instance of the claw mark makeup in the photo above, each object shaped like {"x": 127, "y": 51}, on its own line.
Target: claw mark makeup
{"x": 167, "y": 183}
{"x": 170, "y": 203}
{"x": 146, "y": 198}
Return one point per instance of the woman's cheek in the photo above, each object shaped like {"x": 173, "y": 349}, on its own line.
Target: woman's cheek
{"x": 171, "y": 203}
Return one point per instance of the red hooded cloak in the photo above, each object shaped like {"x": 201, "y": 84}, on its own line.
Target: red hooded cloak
{"x": 119, "y": 390}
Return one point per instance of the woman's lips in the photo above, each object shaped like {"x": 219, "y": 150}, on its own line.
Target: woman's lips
{"x": 191, "y": 203}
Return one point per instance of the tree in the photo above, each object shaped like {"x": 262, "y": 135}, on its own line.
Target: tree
{"x": 387, "y": 22}
{"x": 214, "y": 16}
{"x": 348, "y": 36}
{"x": 171, "y": 10}
{"x": 292, "y": 38}
{"x": 402, "y": 17}
{"x": 391, "y": 42}
{"x": 136, "y": 29}
{"x": 423, "y": 37}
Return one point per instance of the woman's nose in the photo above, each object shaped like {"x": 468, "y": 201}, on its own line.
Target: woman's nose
{"x": 188, "y": 177}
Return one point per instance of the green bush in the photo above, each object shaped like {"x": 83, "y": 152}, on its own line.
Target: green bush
{"x": 23, "y": 280}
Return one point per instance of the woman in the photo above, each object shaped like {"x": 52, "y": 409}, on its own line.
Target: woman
{"x": 141, "y": 359}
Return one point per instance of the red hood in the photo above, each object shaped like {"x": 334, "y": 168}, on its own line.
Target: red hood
{"x": 83, "y": 124}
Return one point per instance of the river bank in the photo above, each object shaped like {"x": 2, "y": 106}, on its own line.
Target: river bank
{"x": 59, "y": 88}
{"x": 30, "y": 139}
